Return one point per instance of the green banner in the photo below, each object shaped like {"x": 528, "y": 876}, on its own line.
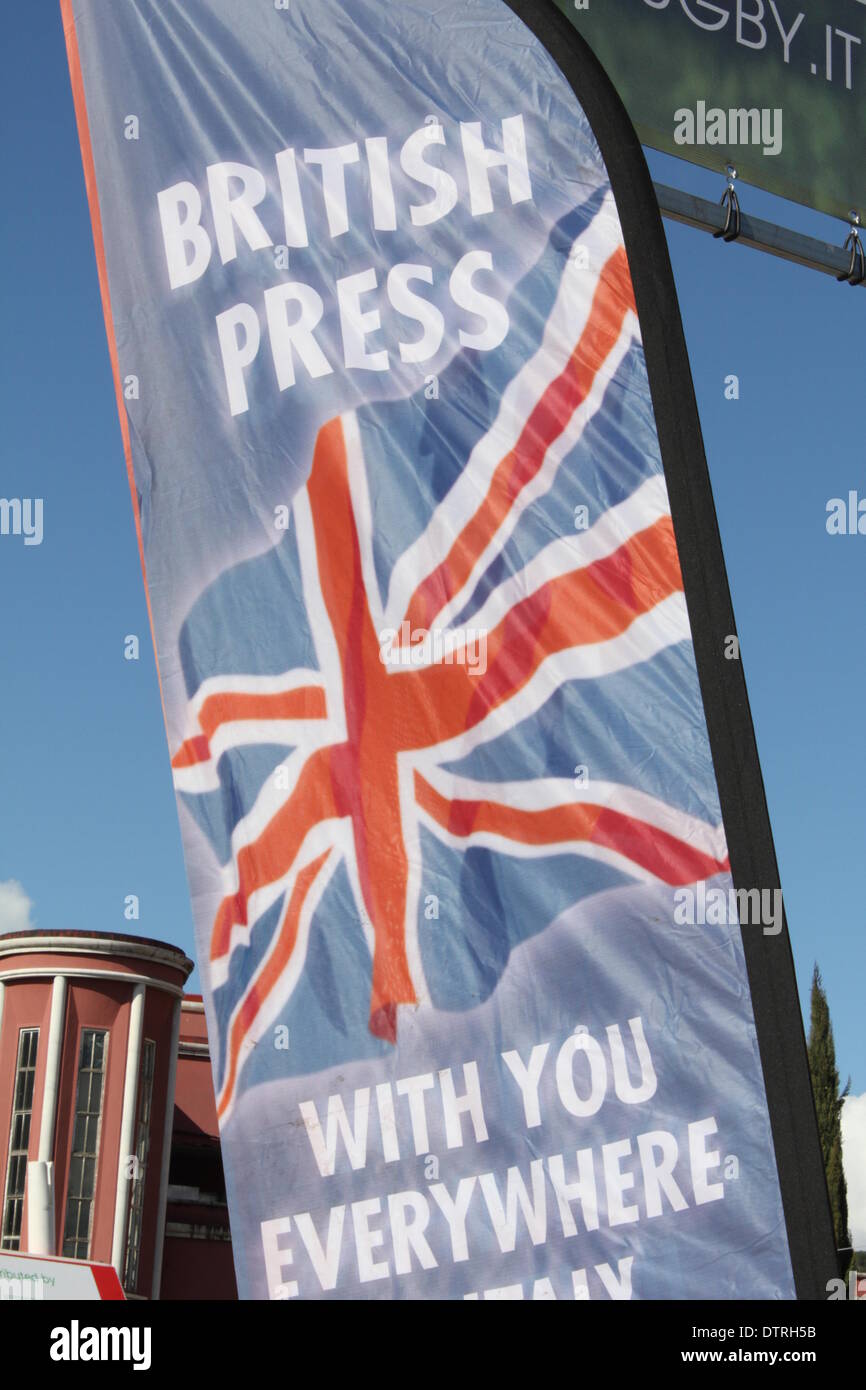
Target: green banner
{"x": 772, "y": 86}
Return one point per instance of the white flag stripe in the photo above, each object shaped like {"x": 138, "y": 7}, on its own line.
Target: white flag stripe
{"x": 275, "y": 1000}
{"x": 551, "y": 793}
{"x": 649, "y": 634}
{"x": 272, "y": 797}
{"x": 363, "y": 511}
{"x": 322, "y": 837}
{"x": 563, "y": 331}
{"x": 286, "y": 733}
{"x": 281, "y": 684}
{"x": 324, "y": 637}
{"x": 647, "y": 505}
{"x": 546, "y": 476}
{"x": 410, "y": 823}
{"x": 501, "y": 844}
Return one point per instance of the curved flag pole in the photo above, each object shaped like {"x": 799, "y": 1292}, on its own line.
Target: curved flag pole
{"x": 769, "y": 960}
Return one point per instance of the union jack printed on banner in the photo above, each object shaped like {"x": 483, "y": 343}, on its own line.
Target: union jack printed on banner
{"x": 371, "y": 772}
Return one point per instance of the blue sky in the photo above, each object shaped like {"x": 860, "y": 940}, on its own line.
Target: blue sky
{"x": 87, "y": 813}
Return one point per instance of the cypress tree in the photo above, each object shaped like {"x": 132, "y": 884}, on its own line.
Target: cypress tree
{"x": 828, "y": 1106}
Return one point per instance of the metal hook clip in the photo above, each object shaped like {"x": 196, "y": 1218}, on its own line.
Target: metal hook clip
{"x": 856, "y": 272}
{"x": 731, "y": 202}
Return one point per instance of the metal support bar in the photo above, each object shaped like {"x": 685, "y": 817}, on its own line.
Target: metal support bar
{"x": 763, "y": 236}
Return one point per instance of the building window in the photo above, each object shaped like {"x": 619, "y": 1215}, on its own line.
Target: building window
{"x": 19, "y": 1138}
{"x": 85, "y": 1144}
{"x": 139, "y": 1169}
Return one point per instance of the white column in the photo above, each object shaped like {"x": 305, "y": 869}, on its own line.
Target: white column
{"x": 52, "y": 1070}
{"x": 40, "y": 1208}
{"x": 40, "y": 1174}
{"x": 127, "y": 1125}
{"x": 168, "y": 1126}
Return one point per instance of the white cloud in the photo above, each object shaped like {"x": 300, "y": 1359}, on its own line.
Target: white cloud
{"x": 15, "y": 907}
{"x": 854, "y": 1161}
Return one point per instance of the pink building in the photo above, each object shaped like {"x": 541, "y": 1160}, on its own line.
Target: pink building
{"x": 109, "y": 1147}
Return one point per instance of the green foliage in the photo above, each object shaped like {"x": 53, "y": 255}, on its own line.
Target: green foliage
{"x": 828, "y": 1105}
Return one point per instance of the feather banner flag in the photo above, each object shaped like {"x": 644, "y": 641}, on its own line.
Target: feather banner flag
{"x": 466, "y": 778}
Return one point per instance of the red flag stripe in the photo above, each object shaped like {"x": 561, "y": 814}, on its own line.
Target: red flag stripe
{"x": 231, "y": 707}
{"x": 655, "y": 850}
